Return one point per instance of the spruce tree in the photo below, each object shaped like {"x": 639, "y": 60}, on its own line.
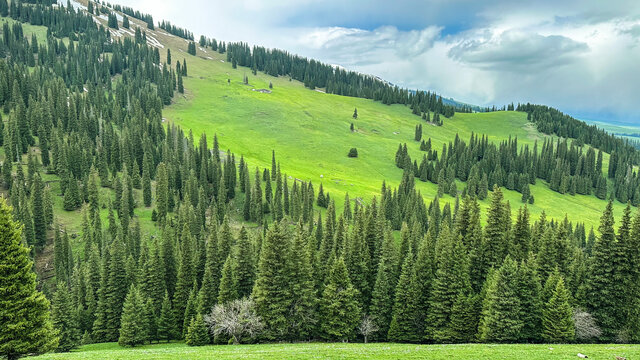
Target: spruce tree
{"x": 272, "y": 292}
{"x": 383, "y": 290}
{"x": 529, "y": 291}
{"x": 557, "y": 317}
{"x": 208, "y": 294}
{"x": 450, "y": 285}
{"x": 26, "y": 326}
{"x": 132, "y": 329}
{"x": 65, "y": 318}
{"x": 402, "y": 327}
{"x": 303, "y": 319}
{"x": 243, "y": 265}
{"x": 167, "y": 321}
{"x": 197, "y": 333}
{"x": 501, "y": 310}
{"x": 228, "y": 291}
{"x": 162, "y": 191}
{"x": 185, "y": 278}
{"x": 340, "y": 312}
{"x": 602, "y": 298}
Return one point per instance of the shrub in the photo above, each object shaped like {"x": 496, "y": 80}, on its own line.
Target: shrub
{"x": 353, "y": 152}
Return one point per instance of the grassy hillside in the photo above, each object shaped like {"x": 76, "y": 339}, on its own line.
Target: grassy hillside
{"x": 309, "y": 130}
{"x": 350, "y": 351}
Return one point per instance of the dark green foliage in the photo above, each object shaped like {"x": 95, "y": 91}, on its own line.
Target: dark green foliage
{"x": 133, "y": 330}
{"x": 271, "y": 292}
{"x": 197, "y": 334}
{"x": 185, "y": 277}
{"x": 402, "y": 327}
{"x": 501, "y": 310}
{"x": 353, "y": 153}
{"x": 38, "y": 212}
{"x": 21, "y": 305}
{"x": 384, "y": 287}
{"x": 340, "y": 312}
{"x": 167, "y": 322}
{"x": 451, "y": 285}
{"x": 228, "y": 290}
{"x": 557, "y": 317}
{"x": 602, "y": 287}
{"x": 65, "y": 319}
{"x": 243, "y": 265}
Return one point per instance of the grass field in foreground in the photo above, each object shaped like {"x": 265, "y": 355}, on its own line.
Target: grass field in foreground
{"x": 351, "y": 351}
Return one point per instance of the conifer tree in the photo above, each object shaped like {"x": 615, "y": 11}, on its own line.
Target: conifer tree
{"x": 228, "y": 291}
{"x": 303, "y": 319}
{"x": 340, "y": 312}
{"x": 272, "y": 288}
{"x": 208, "y": 294}
{"x": 116, "y": 288}
{"x": 197, "y": 333}
{"x": 150, "y": 320}
{"x": 601, "y": 286}
{"x": 243, "y": 265}
{"x": 162, "y": 191}
{"x": 422, "y": 278}
{"x": 451, "y": 282}
{"x": 494, "y": 245}
{"x": 529, "y": 291}
{"x": 384, "y": 287}
{"x": 146, "y": 187}
{"x": 402, "y": 327}
{"x": 132, "y": 330}
{"x": 185, "y": 278}
{"x": 65, "y": 318}
{"x": 557, "y": 316}
{"x": 167, "y": 321}
{"x": 191, "y": 310}
{"x": 501, "y": 310}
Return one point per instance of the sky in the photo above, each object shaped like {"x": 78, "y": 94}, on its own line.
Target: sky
{"x": 580, "y": 56}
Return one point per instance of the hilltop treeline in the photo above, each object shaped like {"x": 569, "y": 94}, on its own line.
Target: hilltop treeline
{"x": 135, "y": 14}
{"x": 177, "y": 31}
{"x": 315, "y": 74}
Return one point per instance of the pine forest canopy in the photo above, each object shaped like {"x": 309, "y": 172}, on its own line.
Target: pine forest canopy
{"x": 83, "y": 110}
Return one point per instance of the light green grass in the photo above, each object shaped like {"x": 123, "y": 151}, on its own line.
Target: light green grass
{"x": 309, "y": 131}
{"x": 350, "y": 351}
{"x": 28, "y": 30}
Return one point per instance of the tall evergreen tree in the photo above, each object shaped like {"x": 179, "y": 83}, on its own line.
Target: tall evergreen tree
{"x": 501, "y": 310}
{"x": 340, "y": 312}
{"x": 272, "y": 292}
{"x": 185, "y": 278}
{"x": 451, "y": 282}
{"x": 132, "y": 329}
{"x": 65, "y": 319}
{"x": 402, "y": 327}
{"x": 384, "y": 287}
{"x": 557, "y": 318}
{"x": 24, "y": 311}
{"x": 167, "y": 322}
{"x": 603, "y": 300}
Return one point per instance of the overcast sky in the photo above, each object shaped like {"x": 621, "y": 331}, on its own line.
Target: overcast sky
{"x": 580, "y": 56}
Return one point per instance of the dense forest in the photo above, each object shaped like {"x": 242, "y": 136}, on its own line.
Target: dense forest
{"x": 302, "y": 274}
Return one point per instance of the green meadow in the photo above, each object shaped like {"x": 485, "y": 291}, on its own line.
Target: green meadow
{"x": 350, "y": 351}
